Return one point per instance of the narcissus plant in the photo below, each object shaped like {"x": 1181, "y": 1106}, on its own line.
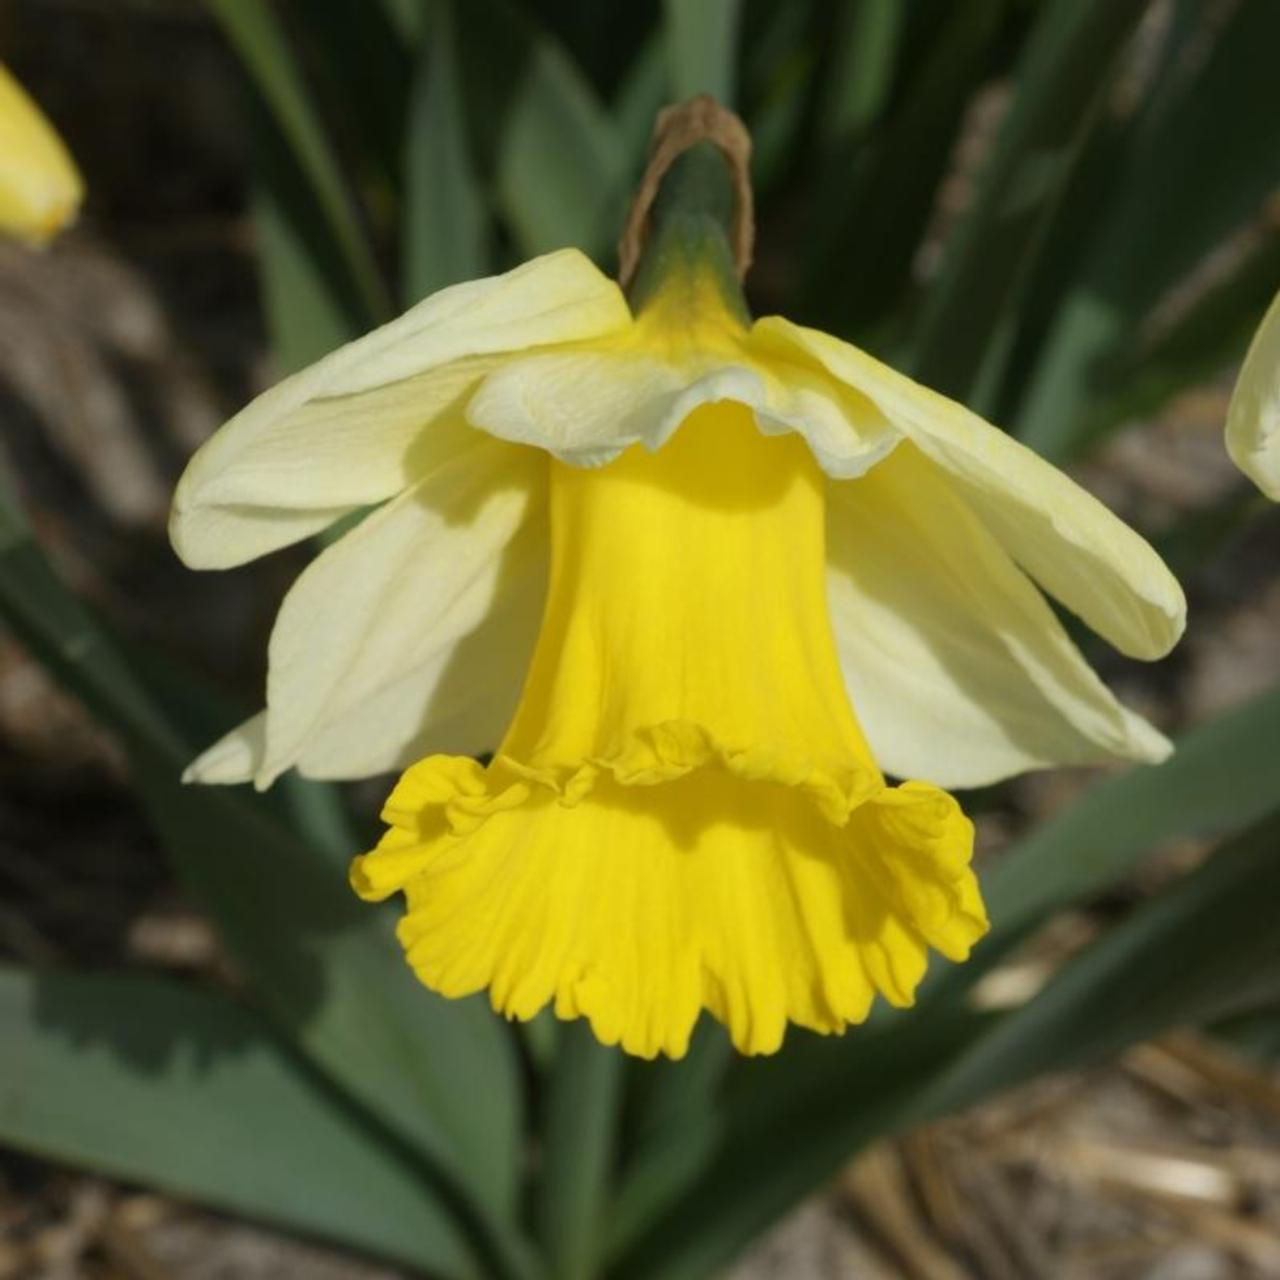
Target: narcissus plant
{"x": 40, "y": 187}
{"x": 698, "y": 583}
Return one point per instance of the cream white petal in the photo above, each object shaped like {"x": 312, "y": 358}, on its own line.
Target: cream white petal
{"x": 1064, "y": 538}
{"x": 348, "y": 431}
{"x": 1253, "y": 417}
{"x": 957, "y": 667}
{"x": 461, "y": 707}
{"x": 349, "y": 451}
{"x": 235, "y": 757}
{"x": 372, "y": 640}
{"x": 586, "y": 407}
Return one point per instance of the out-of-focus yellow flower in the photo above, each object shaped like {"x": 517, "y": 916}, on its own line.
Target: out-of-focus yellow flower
{"x": 670, "y": 553}
{"x": 1253, "y": 417}
{"x": 40, "y": 187}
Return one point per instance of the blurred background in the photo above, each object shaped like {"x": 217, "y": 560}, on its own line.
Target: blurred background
{"x": 1065, "y": 214}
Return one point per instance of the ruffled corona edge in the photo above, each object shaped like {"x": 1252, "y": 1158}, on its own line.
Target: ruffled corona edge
{"x": 677, "y": 874}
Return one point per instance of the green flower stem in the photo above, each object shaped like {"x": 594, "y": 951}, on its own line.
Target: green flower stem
{"x": 690, "y": 227}
{"x": 580, "y": 1132}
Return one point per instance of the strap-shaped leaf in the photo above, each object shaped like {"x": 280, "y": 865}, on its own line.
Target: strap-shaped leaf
{"x": 1193, "y": 136}
{"x": 557, "y": 162}
{"x": 361, "y": 70}
{"x": 790, "y": 1121}
{"x": 876, "y": 201}
{"x": 325, "y": 966}
{"x": 408, "y": 18}
{"x": 788, "y": 1126}
{"x": 677, "y": 1128}
{"x": 256, "y": 35}
{"x": 702, "y": 48}
{"x": 778, "y": 63}
{"x": 562, "y": 167}
{"x": 1208, "y": 336}
{"x": 860, "y": 66}
{"x": 1223, "y": 775}
{"x": 1064, "y": 76}
{"x": 640, "y": 97}
{"x": 1205, "y": 948}
{"x": 184, "y": 1090}
{"x": 310, "y": 306}
{"x": 579, "y": 1139}
{"x": 445, "y": 223}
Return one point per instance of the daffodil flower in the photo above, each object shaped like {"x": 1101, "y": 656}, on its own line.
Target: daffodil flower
{"x": 701, "y": 582}
{"x": 40, "y": 188}
{"x": 1253, "y": 416}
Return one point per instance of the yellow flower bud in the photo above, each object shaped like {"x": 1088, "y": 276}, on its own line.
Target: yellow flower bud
{"x": 40, "y": 187}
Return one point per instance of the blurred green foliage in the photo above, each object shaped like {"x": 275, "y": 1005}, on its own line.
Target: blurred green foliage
{"x": 405, "y": 144}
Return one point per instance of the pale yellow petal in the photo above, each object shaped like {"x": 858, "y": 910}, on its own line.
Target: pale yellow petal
{"x": 459, "y": 700}
{"x": 350, "y": 451}
{"x": 235, "y": 757}
{"x": 959, "y": 669}
{"x": 1075, "y": 548}
{"x": 583, "y": 407}
{"x": 382, "y": 614}
{"x": 351, "y": 430}
{"x": 1253, "y": 418}
{"x": 40, "y": 187}
{"x": 687, "y": 348}
{"x": 586, "y": 407}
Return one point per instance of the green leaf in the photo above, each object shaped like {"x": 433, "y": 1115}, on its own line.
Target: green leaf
{"x": 361, "y": 70}
{"x": 1211, "y": 334}
{"x": 445, "y": 228}
{"x": 804, "y": 1112}
{"x": 315, "y": 811}
{"x": 639, "y": 99}
{"x": 1208, "y": 533}
{"x": 45, "y": 615}
{"x": 678, "y": 1128}
{"x": 408, "y": 18}
{"x": 183, "y": 1090}
{"x": 789, "y": 1121}
{"x": 256, "y": 35}
{"x": 702, "y": 45}
{"x": 1254, "y": 1035}
{"x": 325, "y": 967}
{"x": 860, "y": 67}
{"x": 1198, "y": 129}
{"x": 1223, "y": 775}
{"x": 310, "y": 311}
{"x": 1205, "y": 948}
{"x": 562, "y": 167}
{"x": 1201, "y": 950}
{"x": 1063, "y": 79}
{"x": 778, "y": 68}
{"x": 580, "y": 1133}
{"x": 876, "y": 205}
